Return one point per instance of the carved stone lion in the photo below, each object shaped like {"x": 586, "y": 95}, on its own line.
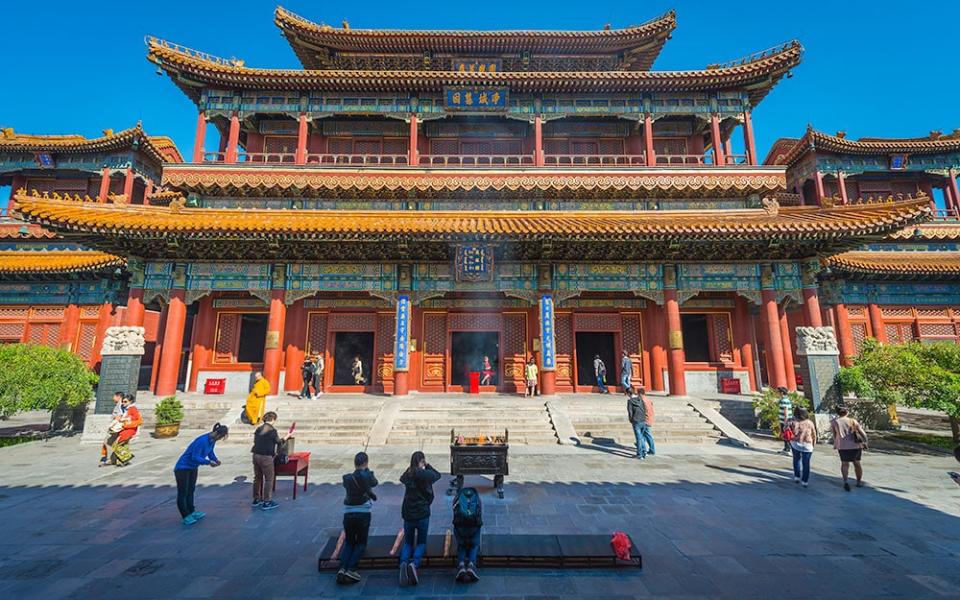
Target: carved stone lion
{"x": 123, "y": 340}
{"x": 816, "y": 340}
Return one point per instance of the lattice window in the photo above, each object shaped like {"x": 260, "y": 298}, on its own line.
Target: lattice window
{"x": 11, "y": 332}
{"x": 898, "y": 333}
{"x": 444, "y": 146}
{"x": 47, "y": 313}
{"x": 475, "y": 322}
{"x": 669, "y": 145}
{"x": 598, "y": 322}
{"x": 581, "y": 148}
{"x": 286, "y": 144}
{"x": 897, "y": 311}
{"x": 367, "y": 147}
{"x": 611, "y": 147}
{"x": 563, "y": 334}
{"x": 937, "y": 329}
{"x": 228, "y": 337}
{"x": 85, "y": 340}
{"x": 352, "y": 322}
{"x": 932, "y": 312}
{"x": 386, "y": 337}
{"x": 856, "y": 311}
{"x": 317, "y": 333}
{"x": 90, "y": 312}
{"x": 13, "y": 313}
{"x": 340, "y": 146}
{"x": 501, "y": 147}
{"x": 859, "y": 333}
{"x": 514, "y": 335}
{"x": 395, "y": 146}
{"x": 722, "y": 337}
{"x": 556, "y": 146}
{"x": 434, "y": 348}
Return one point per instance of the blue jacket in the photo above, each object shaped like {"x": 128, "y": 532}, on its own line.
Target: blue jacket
{"x": 199, "y": 452}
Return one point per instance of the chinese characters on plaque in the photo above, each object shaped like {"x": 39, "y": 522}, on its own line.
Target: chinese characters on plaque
{"x": 547, "y": 345}
{"x": 401, "y": 352}
{"x": 474, "y": 263}
{"x": 475, "y": 99}
{"x": 478, "y": 66}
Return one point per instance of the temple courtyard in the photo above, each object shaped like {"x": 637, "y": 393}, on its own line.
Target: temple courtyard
{"x": 711, "y": 520}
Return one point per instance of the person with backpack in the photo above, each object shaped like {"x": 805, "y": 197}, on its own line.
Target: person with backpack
{"x": 307, "y": 370}
{"x": 600, "y": 371}
{"x": 418, "y": 482}
{"x": 803, "y": 440}
{"x": 784, "y": 414}
{"x": 467, "y": 523}
{"x": 849, "y": 440}
{"x": 199, "y": 452}
{"x": 357, "y": 506}
{"x": 626, "y": 370}
{"x": 266, "y": 442}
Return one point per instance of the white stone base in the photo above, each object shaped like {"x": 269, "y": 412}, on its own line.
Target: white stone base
{"x": 238, "y": 382}
{"x": 95, "y": 428}
{"x": 708, "y": 382}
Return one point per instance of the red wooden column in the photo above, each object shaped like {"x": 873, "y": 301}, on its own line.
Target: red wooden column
{"x": 716, "y": 141}
{"x": 744, "y": 324}
{"x": 199, "y": 136}
{"x": 787, "y": 349}
{"x": 158, "y": 349}
{"x": 295, "y": 339}
{"x": 104, "y": 185}
{"x": 658, "y": 350}
{"x": 842, "y": 183}
{"x": 147, "y": 191}
{"x": 128, "y": 179}
{"x": 69, "y": 327}
{"x": 954, "y": 190}
{"x": 169, "y": 368}
{"x": 548, "y": 345}
{"x": 538, "y": 157}
{"x": 272, "y": 352}
{"x": 677, "y": 358}
{"x": 104, "y": 320}
{"x": 302, "y": 134}
{"x": 811, "y": 307}
{"x": 203, "y": 332}
{"x": 818, "y": 180}
{"x": 844, "y": 336}
{"x": 748, "y": 141}
{"x": 233, "y": 140}
{"x": 778, "y": 371}
{"x": 876, "y": 323}
{"x": 413, "y": 155}
{"x": 648, "y": 140}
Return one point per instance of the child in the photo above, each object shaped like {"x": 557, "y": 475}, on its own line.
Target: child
{"x": 418, "y": 480}
{"x": 113, "y": 430}
{"x": 357, "y": 506}
{"x": 467, "y": 522}
{"x": 199, "y": 452}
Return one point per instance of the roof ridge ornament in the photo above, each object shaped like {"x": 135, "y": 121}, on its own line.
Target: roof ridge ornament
{"x": 757, "y": 56}
{"x": 152, "y": 42}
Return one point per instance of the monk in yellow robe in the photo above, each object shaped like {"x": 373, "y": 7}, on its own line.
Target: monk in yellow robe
{"x": 257, "y": 400}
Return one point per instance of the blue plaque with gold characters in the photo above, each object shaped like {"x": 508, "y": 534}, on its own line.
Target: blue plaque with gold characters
{"x": 898, "y": 162}
{"x": 475, "y": 98}
{"x": 474, "y": 263}
{"x": 401, "y": 350}
{"x": 548, "y": 355}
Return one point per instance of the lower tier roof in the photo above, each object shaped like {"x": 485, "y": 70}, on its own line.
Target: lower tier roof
{"x": 43, "y": 262}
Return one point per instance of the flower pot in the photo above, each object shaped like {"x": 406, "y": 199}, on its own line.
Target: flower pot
{"x": 166, "y": 431}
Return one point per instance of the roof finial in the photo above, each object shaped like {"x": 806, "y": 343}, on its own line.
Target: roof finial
{"x": 606, "y": 27}
{"x": 107, "y": 132}
{"x": 841, "y": 134}
{"x": 7, "y": 133}
{"x": 346, "y": 24}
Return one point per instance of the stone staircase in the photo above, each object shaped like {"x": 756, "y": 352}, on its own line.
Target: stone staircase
{"x": 327, "y": 421}
{"x": 740, "y": 412}
{"x": 422, "y": 421}
{"x": 603, "y": 419}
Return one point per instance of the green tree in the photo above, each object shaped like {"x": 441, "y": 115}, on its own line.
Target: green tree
{"x": 42, "y": 378}
{"x": 914, "y": 374}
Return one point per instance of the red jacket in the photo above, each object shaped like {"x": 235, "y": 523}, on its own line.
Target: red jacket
{"x": 648, "y": 405}
{"x": 130, "y": 425}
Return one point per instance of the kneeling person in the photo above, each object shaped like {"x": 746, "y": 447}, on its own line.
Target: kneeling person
{"x": 467, "y": 522}
{"x": 357, "y": 506}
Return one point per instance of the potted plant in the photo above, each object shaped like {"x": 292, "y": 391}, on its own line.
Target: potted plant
{"x": 169, "y": 414}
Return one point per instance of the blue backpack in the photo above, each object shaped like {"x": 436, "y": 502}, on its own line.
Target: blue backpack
{"x": 467, "y": 509}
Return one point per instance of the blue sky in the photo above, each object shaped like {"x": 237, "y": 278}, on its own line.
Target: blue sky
{"x": 876, "y": 68}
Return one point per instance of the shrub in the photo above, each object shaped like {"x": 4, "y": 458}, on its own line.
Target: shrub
{"x": 168, "y": 411}
{"x": 42, "y": 378}
{"x": 767, "y": 406}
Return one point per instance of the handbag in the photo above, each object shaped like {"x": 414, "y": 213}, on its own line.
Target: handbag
{"x": 859, "y": 435}
{"x": 788, "y": 434}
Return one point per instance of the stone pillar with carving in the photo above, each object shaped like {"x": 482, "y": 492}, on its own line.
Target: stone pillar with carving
{"x": 121, "y": 353}
{"x": 819, "y": 366}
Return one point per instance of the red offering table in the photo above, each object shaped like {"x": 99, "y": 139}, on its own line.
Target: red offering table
{"x": 298, "y": 464}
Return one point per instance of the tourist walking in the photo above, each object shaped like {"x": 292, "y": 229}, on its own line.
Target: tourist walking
{"x": 199, "y": 452}
{"x": 130, "y": 423}
{"x": 804, "y": 439}
{"x": 357, "y": 506}
{"x": 600, "y": 371}
{"x": 640, "y": 414}
{"x": 467, "y": 523}
{"x": 357, "y": 371}
{"x": 784, "y": 414}
{"x": 266, "y": 442}
{"x": 487, "y": 371}
{"x": 626, "y": 371}
{"x": 530, "y": 374}
{"x": 318, "y": 367}
{"x": 307, "y": 371}
{"x": 257, "y": 399}
{"x": 113, "y": 430}
{"x": 849, "y": 440}
{"x": 418, "y": 482}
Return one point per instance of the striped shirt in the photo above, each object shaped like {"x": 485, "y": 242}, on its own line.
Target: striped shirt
{"x": 786, "y": 409}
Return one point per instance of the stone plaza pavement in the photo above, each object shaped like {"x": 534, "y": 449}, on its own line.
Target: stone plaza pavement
{"x": 712, "y": 521}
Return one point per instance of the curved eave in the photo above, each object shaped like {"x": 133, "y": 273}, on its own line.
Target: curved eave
{"x": 929, "y": 232}
{"x": 153, "y": 146}
{"x": 912, "y": 264}
{"x": 814, "y": 140}
{"x": 41, "y": 262}
{"x": 192, "y": 71}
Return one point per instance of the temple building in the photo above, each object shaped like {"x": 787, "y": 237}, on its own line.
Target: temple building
{"x": 431, "y": 201}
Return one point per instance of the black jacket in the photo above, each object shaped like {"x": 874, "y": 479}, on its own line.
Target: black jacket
{"x": 419, "y": 493}
{"x": 636, "y": 411}
{"x": 359, "y": 486}
{"x": 308, "y": 369}
{"x": 266, "y": 440}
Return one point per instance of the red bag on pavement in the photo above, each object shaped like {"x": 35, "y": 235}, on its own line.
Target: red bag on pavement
{"x": 621, "y": 545}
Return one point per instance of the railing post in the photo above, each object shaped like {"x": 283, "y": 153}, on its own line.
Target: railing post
{"x": 300, "y": 157}
{"x": 413, "y": 156}
{"x": 199, "y": 137}
{"x": 233, "y": 139}
{"x": 648, "y": 140}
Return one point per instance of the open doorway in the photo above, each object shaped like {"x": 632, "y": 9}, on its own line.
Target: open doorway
{"x": 467, "y": 351}
{"x": 348, "y": 345}
{"x": 696, "y": 337}
{"x": 589, "y": 345}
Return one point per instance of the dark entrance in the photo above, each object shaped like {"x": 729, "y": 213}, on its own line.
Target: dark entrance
{"x": 253, "y": 333}
{"x": 696, "y": 339}
{"x": 346, "y": 346}
{"x": 467, "y": 349}
{"x": 589, "y": 344}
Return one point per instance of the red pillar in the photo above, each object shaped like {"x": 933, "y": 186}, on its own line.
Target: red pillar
{"x": 748, "y": 141}
{"x": 818, "y": 180}
{"x": 715, "y": 140}
{"x": 678, "y": 383}
{"x": 787, "y": 350}
{"x": 203, "y": 326}
{"x": 69, "y": 327}
{"x": 294, "y": 346}
{"x": 133, "y": 317}
{"x": 233, "y": 139}
{"x": 128, "y": 185}
{"x": 745, "y": 324}
{"x": 302, "y": 134}
{"x": 104, "y": 185}
{"x": 274, "y": 343}
{"x": 538, "y": 158}
{"x": 876, "y": 323}
{"x": 658, "y": 351}
{"x": 648, "y": 140}
{"x": 147, "y": 191}
{"x": 199, "y": 137}
{"x": 413, "y": 155}
{"x": 169, "y": 369}
{"x": 158, "y": 349}
{"x": 104, "y": 320}
{"x": 811, "y": 308}
{"x": 954, "y": 190}
{"x": 778, "y": 372}
{"x": 842, "y": 183}
{"x": 844, "y": 336}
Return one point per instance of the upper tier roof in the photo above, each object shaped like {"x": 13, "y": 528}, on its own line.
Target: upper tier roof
{"x": 756, "y": 74}
{"x": 160, "y": 148}
{"x": 312, "y": 41}
{"x": 787, "y": 151}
